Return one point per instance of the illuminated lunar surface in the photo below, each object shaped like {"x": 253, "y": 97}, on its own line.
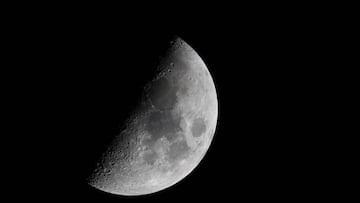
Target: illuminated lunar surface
{"x": 168, "y": 134}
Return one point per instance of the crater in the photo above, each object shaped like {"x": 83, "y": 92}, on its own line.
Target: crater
{"x": 198, "y": 127}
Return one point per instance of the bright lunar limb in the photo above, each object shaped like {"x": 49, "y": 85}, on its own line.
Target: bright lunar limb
{"x": 169, "y": 134}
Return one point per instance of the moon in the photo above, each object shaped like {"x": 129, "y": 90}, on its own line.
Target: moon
{"x": 169, "y": 132}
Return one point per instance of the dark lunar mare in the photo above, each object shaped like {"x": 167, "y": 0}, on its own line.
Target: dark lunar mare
{"x": 163, "y": 123}
{"x": 162, "y": 94}
{"x": 150, "y": 157}
{"x": 178, "y": 150}
{"x": 198, "y": 127}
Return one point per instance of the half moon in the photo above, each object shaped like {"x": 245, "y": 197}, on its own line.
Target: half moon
{"x": 168, "y": 134}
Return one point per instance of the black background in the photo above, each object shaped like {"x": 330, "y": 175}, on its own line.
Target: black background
{"x": 81, "y": 76}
